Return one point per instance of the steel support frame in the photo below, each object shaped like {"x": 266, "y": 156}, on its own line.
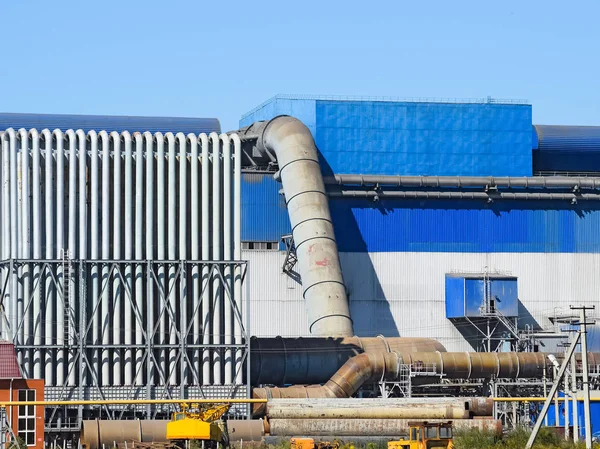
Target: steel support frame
{"x": 81, "y": 379}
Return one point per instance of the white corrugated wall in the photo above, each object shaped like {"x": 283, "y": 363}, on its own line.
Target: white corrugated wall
{"x": 404, "y": 293}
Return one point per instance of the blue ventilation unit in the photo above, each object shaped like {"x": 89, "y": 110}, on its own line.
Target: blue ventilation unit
{"x": 466, "y": 295}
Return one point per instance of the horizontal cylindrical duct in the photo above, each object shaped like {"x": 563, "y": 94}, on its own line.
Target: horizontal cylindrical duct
{"x": 465, "y": 181}
{"x": 360, "y": 427}
{"x": 370, "y": 367}
{"x": 96, "y": 434}
{"x": 487, "y": 196}
{"x": 285, "y": 361}
{"x": 391, "y": 408}
{"x": 103, "y": 233}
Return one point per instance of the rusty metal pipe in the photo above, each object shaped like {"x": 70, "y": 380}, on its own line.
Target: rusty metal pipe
{"x": 289, "y": 361}
{"x": 369, "y": 367}
{"x": 359, "y": 427}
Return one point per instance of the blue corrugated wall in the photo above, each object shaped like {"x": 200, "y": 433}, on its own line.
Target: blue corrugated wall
{"x": 371, "y": 137}
{"x": 264, "y": 215}
{"x": 466, "y": 226}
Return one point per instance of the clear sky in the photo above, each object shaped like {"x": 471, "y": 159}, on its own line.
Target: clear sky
{"x": 222, "y": 58}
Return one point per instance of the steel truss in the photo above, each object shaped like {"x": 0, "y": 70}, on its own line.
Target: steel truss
{"x": 188, "y": 335}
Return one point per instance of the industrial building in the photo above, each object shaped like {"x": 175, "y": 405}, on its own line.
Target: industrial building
{"x": 141, "y": 255}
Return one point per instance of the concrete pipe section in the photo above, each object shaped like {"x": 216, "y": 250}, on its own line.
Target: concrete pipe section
{"x": 393, "y": 408}
{"x": 364, "y": 427}
{"x": 96, "y": 433}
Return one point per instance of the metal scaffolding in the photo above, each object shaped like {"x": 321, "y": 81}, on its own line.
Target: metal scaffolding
{"x": 142, "y": 329}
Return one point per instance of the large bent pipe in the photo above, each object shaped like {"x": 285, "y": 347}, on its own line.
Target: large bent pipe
{"x": 291, "y": 142}
{"x": 370, "y": 367}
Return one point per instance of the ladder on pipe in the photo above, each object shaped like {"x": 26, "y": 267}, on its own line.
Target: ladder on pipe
{"x": 66, "y": 289}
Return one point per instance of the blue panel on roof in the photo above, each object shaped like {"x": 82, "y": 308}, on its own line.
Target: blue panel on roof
{"x": 438, "y": 226}
{"x": 264, "y": 214}
{"x": 455, "y": 296}
{"x": 109, "y": 123}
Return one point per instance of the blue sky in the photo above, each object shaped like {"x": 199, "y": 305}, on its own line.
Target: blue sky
{"x": 220, "y": 59}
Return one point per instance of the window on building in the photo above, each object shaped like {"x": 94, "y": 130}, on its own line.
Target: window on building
{"x": 26, "y": 428}
{"x": 260, "y": 246}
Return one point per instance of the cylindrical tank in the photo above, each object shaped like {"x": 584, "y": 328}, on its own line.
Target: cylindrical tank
{"x": 358, "y": 427}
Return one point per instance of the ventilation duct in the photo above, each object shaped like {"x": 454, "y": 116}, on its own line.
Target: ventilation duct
{"x": 291, "y": 142}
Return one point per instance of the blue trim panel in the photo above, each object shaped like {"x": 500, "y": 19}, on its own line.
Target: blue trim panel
{"x": 405, "y": 226}
{"x": 109, "y": 123}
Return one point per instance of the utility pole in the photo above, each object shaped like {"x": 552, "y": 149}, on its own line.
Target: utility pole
{"x": 553, "y": 390}
{"x": 585, "y": 373}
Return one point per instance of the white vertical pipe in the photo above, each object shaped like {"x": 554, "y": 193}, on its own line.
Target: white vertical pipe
{"x": 6, "y": 200}
{"x": 160, "y": 242}
{"x": 83, "y": 254}
{"x": 104, "y": 286}
{"x": 21, "y": 156}
{"x": 206, "y": 306}
{"x": 127, "y": 224}
{"x": 149, "y": 243}
{"x": 26, "y": 236}
{"x": 49, "y": 323}
{"x": 72, "y": 245}
{"x": 172, "y": 244}
{"x": 574, "y": 405}
{"x": 93, "y": 176}
{"x": 237, "y": 249}
{"x": 37, "y": 251}
{"x": 60, "y": 233}
{"x": 216, "y": 255}
{"x": 117, "y": 288}
{"x": 195, "y": 248}
{"x": 5, "y": 227}
{"x": 227, "y": 255}
{"x": 14, "y": 232}
{"x": 183, "y": 222}
{"x": 82, "y": 146}
{"x": 139, "y": 253}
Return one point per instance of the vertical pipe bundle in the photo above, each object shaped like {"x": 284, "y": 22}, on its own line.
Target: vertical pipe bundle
{"x": 137, "y": 214}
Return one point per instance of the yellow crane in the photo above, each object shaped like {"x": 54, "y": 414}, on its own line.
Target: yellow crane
{"x": 199, "y": 422}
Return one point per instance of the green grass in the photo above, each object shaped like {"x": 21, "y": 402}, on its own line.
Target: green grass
{"x": 516, "y": 439}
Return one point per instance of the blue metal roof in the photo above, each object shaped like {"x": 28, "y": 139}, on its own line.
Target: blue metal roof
{"x": 109, "y": 123}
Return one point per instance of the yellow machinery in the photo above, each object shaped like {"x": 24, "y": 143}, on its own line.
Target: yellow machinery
{"x": 425, "y": 435}
{"x": 309, "y": 443}
{"x": 201, "y": 424}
